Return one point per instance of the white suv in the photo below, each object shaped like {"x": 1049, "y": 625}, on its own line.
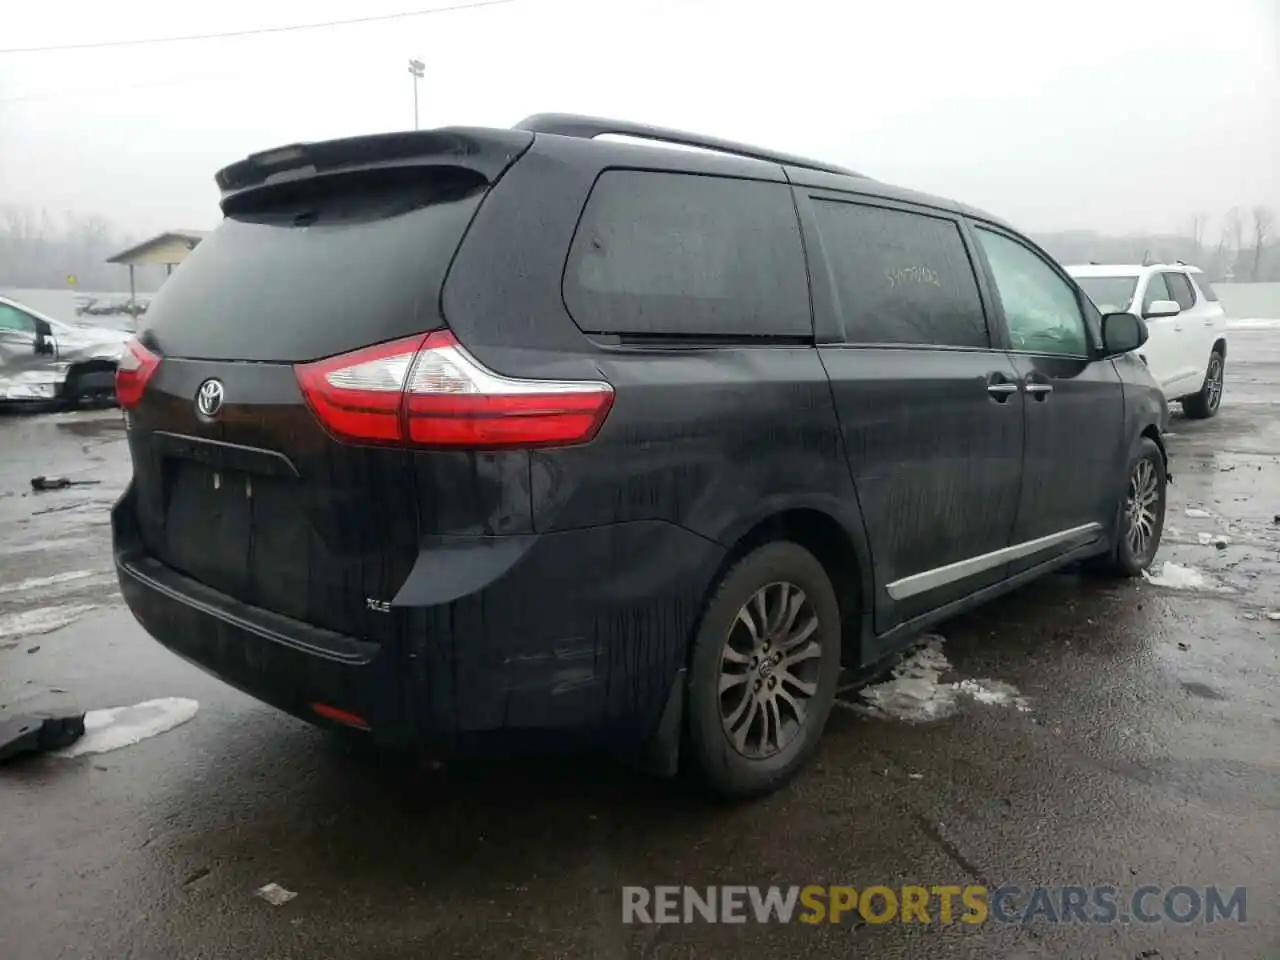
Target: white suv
{"x": 1187, "y": 348}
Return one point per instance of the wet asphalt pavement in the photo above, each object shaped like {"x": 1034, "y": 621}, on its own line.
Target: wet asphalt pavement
{"x": 1150, "y": 755}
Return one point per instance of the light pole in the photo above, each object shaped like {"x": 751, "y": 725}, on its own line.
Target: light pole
{"x": 416, "y": 67}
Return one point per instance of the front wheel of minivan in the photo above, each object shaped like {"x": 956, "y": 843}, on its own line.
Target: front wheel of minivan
{"x": 1140, "y": 517}
{"x": 766, "y": 661}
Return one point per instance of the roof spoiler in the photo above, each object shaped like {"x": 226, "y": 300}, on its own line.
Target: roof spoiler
{"x": 482, "y": 151}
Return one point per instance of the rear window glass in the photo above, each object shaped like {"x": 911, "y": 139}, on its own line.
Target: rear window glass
{"x": 1205, "y": 286}
{"x": 685, "y": 255}
{"x": 901, "y": 277}
{"x": 315, "y": 271}
{"x": 1180, "y": 288}
{"x": 1109, "y": 294}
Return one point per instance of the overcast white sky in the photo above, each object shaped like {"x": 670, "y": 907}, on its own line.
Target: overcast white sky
{"x": 1119, "y": 115}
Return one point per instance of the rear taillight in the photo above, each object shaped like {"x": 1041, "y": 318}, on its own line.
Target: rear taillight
{"x": 135, "y": 368}
{"x": 429, "y": 391}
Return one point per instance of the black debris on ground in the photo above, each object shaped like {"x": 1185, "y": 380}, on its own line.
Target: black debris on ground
{"x": 24, "y": 735}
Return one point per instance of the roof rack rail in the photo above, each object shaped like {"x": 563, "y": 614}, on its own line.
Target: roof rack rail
{"x": 587, "y": 128}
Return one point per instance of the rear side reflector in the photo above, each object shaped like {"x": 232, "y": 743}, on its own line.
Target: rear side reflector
{"x": 340, "y": 716}
{"x": 135, "y": 368}
{"x": 429, "y": 391}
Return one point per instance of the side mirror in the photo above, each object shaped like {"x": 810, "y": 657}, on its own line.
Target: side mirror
{"x": 1122, "y": 333}
{"x": 44, "y": 333}
{"x": 1162, "y": 308}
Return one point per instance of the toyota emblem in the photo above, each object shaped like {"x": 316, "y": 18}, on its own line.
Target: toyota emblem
{"x": 209, "y": 398}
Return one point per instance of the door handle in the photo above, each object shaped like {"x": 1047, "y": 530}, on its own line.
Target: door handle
{"x": 1000, "y": 388}
{"x": 1038, "y": 386}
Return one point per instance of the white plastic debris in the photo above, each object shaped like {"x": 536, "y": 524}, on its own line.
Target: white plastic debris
{"x": 106, "y": 730}
{"x": 1198, "y": 513}
{"x": 274, "y": 894}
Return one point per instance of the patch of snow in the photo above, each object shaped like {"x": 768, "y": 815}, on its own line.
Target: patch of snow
{"x": 42, "y": 619}
{"x": 1198, "y": 513}
{"x": 274, "y": 894}
{"x": 1177, "y": 577}
{"x": 995, "y": 693}
{"x": 106, "y": 730}
{"x": 1212, "y": 539}
{"x": 915, "y": 694}
{"x": 1173, "y": 531}
{"x": 40, "y": 546}
{"x": 35, "y": 583}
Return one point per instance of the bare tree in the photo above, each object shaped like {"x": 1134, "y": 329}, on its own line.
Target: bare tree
{"x": 1195, "y": 236}
{"x": 1263, "y": 220}
{"x": 41, "y": 249}
{"x": 1232, "y": 240}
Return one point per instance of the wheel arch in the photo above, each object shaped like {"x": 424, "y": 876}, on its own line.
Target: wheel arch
{"x": 1152, "y": 432}
{"x": 82, "y": 367}
{"x": 835, "y": 537}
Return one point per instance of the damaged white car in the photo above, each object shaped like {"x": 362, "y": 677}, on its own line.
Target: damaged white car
{"x": 42, "y": 359}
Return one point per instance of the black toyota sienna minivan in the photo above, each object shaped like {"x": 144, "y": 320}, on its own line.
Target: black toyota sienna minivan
{"x": 481, "y": 440}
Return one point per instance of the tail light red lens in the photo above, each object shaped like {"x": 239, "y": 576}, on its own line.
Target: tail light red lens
{"x": 135, "y": 368}
{"x": 429, "y": 391}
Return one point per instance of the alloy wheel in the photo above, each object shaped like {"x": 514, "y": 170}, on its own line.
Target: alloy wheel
{"x": 1213, "y": 383}
{"x": 769, "y": 669}
{"x": 1141, "y": 508}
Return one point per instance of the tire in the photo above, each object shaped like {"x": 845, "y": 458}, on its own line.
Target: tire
{"x": 1205, "y": 403}
{"x": 77, "y": 392}
{"x": 741, "y": 756}
{"x": 1130, "y": 556}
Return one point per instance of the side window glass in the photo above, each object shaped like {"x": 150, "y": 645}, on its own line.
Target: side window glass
{"x": 901, "y": 277}
{"x": 12, "y": 318}
{"x": 679, "y": 254}
{"x": 1157, "y": 289}
{"x": 1040, "y": 308}
{"x": 1180, "y": 287}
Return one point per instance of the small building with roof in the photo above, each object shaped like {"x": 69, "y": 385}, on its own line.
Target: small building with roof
{"x": 168, "y": 249}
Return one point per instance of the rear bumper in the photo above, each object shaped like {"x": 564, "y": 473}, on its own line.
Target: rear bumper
{"x": 575, "y": 644}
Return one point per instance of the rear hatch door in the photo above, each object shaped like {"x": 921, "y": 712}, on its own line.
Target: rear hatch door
{"x": 324, "y": 250}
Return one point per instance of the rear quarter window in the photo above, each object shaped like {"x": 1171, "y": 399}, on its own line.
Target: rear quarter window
{"x": 901, "y": 277}
{"x": 1205, "y": 287}
{"x": 674, "y": 254}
